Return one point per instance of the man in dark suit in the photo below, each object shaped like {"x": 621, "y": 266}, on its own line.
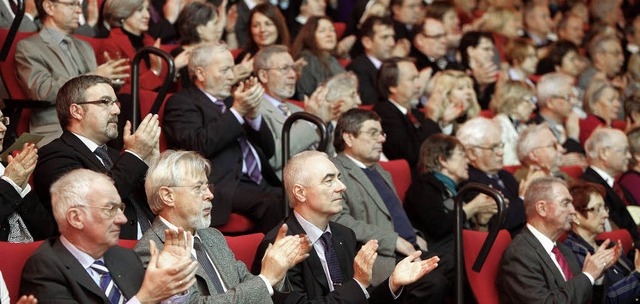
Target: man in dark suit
{"x": 536, "y": 268}
{"x": 231, "y": 133}
{"x": 406, "y": 14}
{"x": 333, "y": 272}
{"x": 429, "y": 46}
{"x": 179, "y": 193}
{"x": 377, "y": 38}
{"x": 85, "y": 265}
{"x": 608, "y": 156}
{"x": 405, "y": 126}
{"x": 482, "y": 140}
{"x": 88, "y": 111}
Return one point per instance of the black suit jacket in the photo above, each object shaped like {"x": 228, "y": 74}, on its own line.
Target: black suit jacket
{"x": 38, "y": 221}
{"x": 53, "y": 275}
{"x": 68, "y": 153}
{"x": 193, "y": 122}
{"x": 527, "y": 274}
{"x": 516, "y": 216}
{"x": 367, "y": 78}
{"x": 617, "y": 209}
{"x": 403, "y": 138}
{"x": 308, "y": 279}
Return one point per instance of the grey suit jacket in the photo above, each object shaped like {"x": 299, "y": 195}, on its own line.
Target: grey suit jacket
{"x": 6, "y": 18}
{"x": 366, "y": 214}
{"x": 242, "y": 286}
{"x": 42, "y": 68}
{"x": 527, "y": 274}
{"x": 303, "y": 135}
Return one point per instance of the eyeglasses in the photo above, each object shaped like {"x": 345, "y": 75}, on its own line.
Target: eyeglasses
{"x": 68, "y": 4}
{"x": 530, "y": 99}
{"x": 104, "y": 101}
{"x": 5, "y": 121}
{"x": 112, "y": 209}
{"x": 284, "y": 69}
{"x": 600, "y": 209}
{"x": 200, "y": 188}
{"x": 436, "y": 37}
{"x": 567, "y": 97}
{"x": 494, "y": 148}
{"x": 375, "y": 133}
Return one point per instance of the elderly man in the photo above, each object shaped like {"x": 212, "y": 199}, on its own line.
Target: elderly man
{"x": 229, "y": 132}
{"x": 315, "y": 191}
{"x": 85, "y": 265}
{"x": 430, "y": 46}
{"x": 534, "y": 267}
{"x": 570, "y": 28}
{"x": 180, "y": 194}
{"x": 88, "y": 111}
{"x": 44, "y": 62}
{"x": 482, "y": 140}
{"x": 556, "y": 100}
{"x": 608, "y": 156}
{"x": 376, "y": 35}
{"x": 607, "y": 59}
{"x": 538, "y": 24}
{"x": 539, "y": 150}
{"x": 406, "y": 128}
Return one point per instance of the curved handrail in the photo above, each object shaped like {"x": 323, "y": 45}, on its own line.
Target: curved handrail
{"x": 491, "y": 237}
{"x": 286, "y": 140}
{"x": 135, "y": 81}
{"x": 13, "y": 30}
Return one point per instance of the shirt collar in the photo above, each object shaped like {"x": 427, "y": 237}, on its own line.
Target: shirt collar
{"x": 376, "y": 62}
{"x": 401, "y": 108}
{"x": 276, "y": 103}
{"x": 55, "y": 35}
{"x": 314, "y": 233}
{"x": 87, "y": 142}
{"x": 607, "y": 178}
{"x": 174, "y": 228}
{"x": 83, "y": 258}
{"x": 357, "y": 162}
{"x": 546, "y": 242}
{"x": 632, "y": 48}
{"x": 250, "y": 4}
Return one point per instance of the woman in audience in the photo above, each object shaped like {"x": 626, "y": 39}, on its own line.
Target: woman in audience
{"x": 630, "y": 181}
{"x": 562, "y": 57}
{"x": 267, "y": 27}
{"x": 602, "y": 104}
{"x": 477, "y": 54}
{"x": 316, "y": 44}
{"x": 452, "y": 101}
{"x": 430, "y": 197}
{"x": 522, "y": 59}
{"x": 514, "y": 101}
{"x": 129, "y": 21}
{"x": 621, "y": 282}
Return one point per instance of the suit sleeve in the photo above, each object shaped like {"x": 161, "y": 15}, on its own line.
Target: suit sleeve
{"x": 425, "y": 208}
{"x": 34, "y": 76}
{"x": 48, "y": 286}
{"x": 38, "y": 221}
{"x": 367, "y": 92}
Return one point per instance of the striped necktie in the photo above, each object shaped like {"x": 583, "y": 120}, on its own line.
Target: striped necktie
{"x": 107, "y": 284}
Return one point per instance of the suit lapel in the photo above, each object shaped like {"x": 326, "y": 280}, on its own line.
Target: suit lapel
{"x": 358, "y": 176}
{"x": 313, "y": 260}
{"x": 65, "y": 61}
{"x": 210, "y": 244}
{"x": 80, "y": 274}
{"x": 76, "y": 144}
{"x": 544, "y": 256}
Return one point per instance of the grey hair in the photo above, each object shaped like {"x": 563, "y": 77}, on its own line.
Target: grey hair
{"x": 295, "y": 172}
{"x": 593, "y": 93}
{"x": 71, "y": 190}
{"x": 528, "y": 141}
{"x": 115, "y": 11}
{"x": 201, "y": 55}
{"x": 339, "y": 85}
{"x": 474, "y": 131}
{"x": 598, "y": 43}
{"x": 600, "y": 138}
{"x": 548, "y": 86}
{"x": 540, "y": 189}
{"x": 170, "y": 169}
{"x": 262, "y": 59}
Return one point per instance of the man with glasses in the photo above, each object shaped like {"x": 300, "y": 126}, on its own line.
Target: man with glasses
{"x": 372, "y": 208}
{"x": 231, "y": 133}
{"x": 482, "y": 140}
{"x": 556, "y": 101}
{"x": 406, "y": 14}
{"x": 607, "y": 58}
{"x": 179, "y": 192}
{"x": 85, "y": 265}
{"x": 44, "y": 62}
{"x": 539, "y": 150}
{"x": 88, "y": 112}
{"x": 608, "y": 156}
{"x": 430, "y": 46}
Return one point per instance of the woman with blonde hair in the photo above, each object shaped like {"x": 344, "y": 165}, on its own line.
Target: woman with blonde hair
{"x": 452, "y": 100}
{"x": 514, "y": 101}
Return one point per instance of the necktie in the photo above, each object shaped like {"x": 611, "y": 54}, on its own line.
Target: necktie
{"x": 285, "y": 109}
{"x": 106, "y": 283}
{"x": 103, "y": 153}
{"x": 205, "y": 263}
{"x": 413, "y": 119}
{"x": 332, "y": 259}
{"x": 497, "y": 181}
{"x": 18, "y": 232}
{"x": 67, "y": 46}
{"x": 14, "y": 6}
{"x": 568, "y": 275}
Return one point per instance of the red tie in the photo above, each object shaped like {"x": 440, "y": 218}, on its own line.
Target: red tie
{"x": 563, "y": 263}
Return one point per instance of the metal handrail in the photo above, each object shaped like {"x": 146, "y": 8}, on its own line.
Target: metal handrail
{"x": 491, "y": 237}
{"x": 286, "y": 138}
{"x": 135, "y": 81}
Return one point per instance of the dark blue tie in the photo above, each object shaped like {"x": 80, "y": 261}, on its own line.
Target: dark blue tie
{"x": 332, "y": 259}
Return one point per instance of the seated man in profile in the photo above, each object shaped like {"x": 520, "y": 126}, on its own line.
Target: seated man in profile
{"x": 85, "y": 265}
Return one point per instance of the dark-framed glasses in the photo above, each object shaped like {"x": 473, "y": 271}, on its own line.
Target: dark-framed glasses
{"x": 68, "y": 4}
{"x": 599, "y": 209}
{"x": 112, "y": 210}
{"x": 375, "y": 133}
{"x": 199, "y": 188}
{"x": 104, "y": 101}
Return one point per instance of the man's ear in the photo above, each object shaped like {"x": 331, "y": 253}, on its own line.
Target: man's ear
{"x": 542, "y": 208}
{"x": 300, "y": 193}
{"x": 167, "y": 196}
{"x": 75, "y": 218}
{"x": 263, "y": 76}
{"x": 348, "y": 138}
{"x": 367, "y": 42}
{"x": 76, "y": 111}
{"x": 200, "y": 74}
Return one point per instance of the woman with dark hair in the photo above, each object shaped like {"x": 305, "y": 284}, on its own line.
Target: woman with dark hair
{"x": 562, "y": 57}
{"x": 129, "y": 21}
{"x": 316, "y": 44}
{"x": 267, "y": 27}
{"x": 621, "y": 283}
{"x": 429, "y": 199}
{"x": 477, "y": 53}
